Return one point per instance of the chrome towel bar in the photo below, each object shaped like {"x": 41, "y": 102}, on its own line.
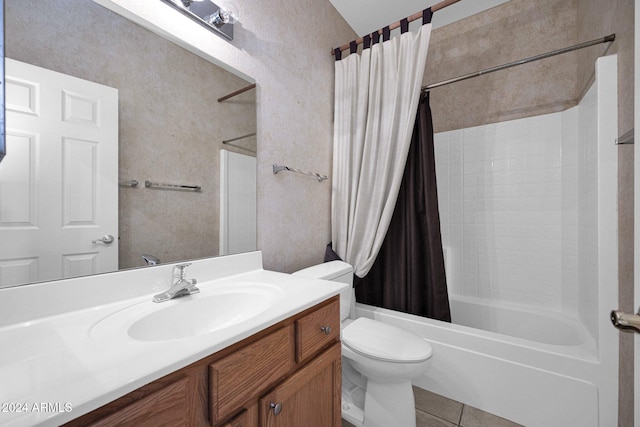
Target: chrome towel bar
{"x": 150, "y": 184}
{"x": 278, "y": 168}
{"x": 226, "y": 141}
{"x": 230, "y": 142}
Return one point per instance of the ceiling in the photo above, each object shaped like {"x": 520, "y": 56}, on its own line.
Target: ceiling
{"x": 366, "y": 16}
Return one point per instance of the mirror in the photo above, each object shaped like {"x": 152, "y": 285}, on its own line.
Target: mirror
{"x": 3, "y": 149}
{"x": 169, "y": 129}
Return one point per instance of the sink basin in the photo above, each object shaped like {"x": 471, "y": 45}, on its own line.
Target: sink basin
{"x": 216, "y": 307}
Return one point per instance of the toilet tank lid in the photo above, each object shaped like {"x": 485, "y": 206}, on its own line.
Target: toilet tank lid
{"x": 327, "y": 271}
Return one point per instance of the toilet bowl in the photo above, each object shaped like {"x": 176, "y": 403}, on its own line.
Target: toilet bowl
{"x": 378, "y": 360}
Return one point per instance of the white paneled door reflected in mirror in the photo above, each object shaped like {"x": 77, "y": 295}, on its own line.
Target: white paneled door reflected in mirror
{"x": 86, "y": 119}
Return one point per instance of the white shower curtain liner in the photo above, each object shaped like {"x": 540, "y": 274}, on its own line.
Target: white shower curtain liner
{"x": 376, "y": 99}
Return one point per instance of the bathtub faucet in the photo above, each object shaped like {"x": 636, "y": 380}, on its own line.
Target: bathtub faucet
{"x": 180, "y": 287}
{"x": 150, "y": 259}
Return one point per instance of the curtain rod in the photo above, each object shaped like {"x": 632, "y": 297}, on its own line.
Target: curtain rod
{"x": 606, "y": 39}
{"x": 238, "y": 92}
{"x": 396, "y": 24}
{"x": 226, "y": 141}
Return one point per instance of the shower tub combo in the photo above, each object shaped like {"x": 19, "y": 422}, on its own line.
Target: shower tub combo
{"x": 537, "y": 365}
{"x": 508, "y": 361}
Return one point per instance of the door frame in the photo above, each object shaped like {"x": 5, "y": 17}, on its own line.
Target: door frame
{"x": 636, "y": 219}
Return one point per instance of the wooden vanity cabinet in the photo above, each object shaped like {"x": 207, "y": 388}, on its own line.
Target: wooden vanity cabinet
{"x": 245, "y": 419}
{"x": 285, "y": 375}
{"x": 307, "y": 398}
{"x": 247, "y": 373}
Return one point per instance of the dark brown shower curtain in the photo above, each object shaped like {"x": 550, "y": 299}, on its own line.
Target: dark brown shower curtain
{"x": 408, "y": 274}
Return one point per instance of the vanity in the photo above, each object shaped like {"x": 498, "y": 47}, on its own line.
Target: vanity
{"x": 98, "y": 351}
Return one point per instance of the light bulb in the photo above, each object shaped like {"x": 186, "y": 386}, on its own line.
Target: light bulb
{"x": 227, "y": 14}
{"x": 187, "y": 3}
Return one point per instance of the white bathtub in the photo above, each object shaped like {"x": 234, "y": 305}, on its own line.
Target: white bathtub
{"x": 518, "y": 322}
{"x": 537, "y": 369}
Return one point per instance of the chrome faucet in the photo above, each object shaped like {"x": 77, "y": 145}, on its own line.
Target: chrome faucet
{"x": 180, "y": 287}
{"x": 150, "y": 259}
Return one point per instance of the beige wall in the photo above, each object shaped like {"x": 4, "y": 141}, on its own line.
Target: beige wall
{"x": 595, "y": 21}
{"x": 520, "y": 29}
{"x": 285, "y": 46}
{"x": 515, "y": 30}
{"x": 171, "y": 126}
{"x": 295, "y": 109}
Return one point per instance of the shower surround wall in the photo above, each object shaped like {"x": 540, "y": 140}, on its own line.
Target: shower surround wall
{"x": 519, "y": 29}
{"x": 500, "y": 204}
{"x": 518, "y": 211}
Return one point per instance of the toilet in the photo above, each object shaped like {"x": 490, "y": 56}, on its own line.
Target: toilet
{"x": 378, "y": 360}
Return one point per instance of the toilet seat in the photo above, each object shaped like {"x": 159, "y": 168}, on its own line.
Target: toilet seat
{"x": 381, "y": 341}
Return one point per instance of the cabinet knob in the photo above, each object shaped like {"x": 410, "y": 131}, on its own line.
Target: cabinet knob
{"x": 277, "y": 408}
{"x": 326, "y": 330}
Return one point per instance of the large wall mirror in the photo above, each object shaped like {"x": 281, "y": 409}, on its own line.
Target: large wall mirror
{"x": 95, "y": 103}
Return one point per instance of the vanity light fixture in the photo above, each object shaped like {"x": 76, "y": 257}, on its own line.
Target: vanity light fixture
{"x": 227, "y": 14}
{"x": 219, "y": 18}
{"x": 187, "y": 3}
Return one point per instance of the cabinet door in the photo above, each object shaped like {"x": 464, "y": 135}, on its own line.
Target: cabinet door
{"x": 311, "y": 397}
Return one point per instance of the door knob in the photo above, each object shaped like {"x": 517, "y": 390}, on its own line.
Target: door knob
{"x": 106, "y": 239}
{"x": 626, "y": 321}
{"x": 326, "y": 329}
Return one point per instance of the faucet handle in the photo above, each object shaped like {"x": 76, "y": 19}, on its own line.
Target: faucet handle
{"x": 181, "y": 268}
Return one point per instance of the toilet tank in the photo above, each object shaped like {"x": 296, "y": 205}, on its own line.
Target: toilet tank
{"x": 335, "y": 271}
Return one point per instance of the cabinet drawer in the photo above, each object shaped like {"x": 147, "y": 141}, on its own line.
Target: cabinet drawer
{"x": 247, "y": 373}
{"x": 317, "y": 329}
{"x": 168, "y": 406}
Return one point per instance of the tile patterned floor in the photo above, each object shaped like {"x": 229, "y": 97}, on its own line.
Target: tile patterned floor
{"x": 433, "y": 410}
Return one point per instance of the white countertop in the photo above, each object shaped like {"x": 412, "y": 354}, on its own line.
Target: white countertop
{"x": 53, "y": 369}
